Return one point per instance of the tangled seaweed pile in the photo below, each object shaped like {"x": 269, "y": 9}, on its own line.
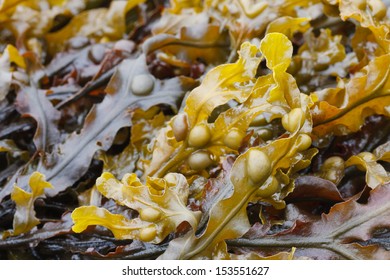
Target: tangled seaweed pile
{"x": 208, "y": 129}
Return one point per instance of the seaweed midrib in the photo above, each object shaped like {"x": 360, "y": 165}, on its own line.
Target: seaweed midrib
{"x": 376, "y": 95}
